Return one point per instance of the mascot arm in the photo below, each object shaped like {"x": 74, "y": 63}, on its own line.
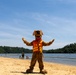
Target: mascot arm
{"x": 48, "y": 43}
{"x": 26, "y": 42}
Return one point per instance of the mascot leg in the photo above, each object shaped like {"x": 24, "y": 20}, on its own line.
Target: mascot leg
{"x": 41, "y": 66}
{"x": 32, "y": 64}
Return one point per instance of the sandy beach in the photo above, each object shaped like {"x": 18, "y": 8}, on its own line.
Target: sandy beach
{"x": 12, "y": 66}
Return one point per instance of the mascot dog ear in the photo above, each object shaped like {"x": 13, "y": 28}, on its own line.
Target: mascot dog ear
{"x": 38, "y": 32}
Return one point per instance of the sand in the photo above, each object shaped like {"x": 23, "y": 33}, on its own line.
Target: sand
{"x": 12, "y": 66}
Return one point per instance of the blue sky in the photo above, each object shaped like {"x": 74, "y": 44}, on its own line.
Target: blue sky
{"x": 19, "y": 18}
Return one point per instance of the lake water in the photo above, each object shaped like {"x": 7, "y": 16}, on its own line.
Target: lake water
{"x": 69, "y": 59}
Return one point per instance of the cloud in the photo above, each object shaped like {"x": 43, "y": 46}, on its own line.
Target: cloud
{"x": 59, "y": 28}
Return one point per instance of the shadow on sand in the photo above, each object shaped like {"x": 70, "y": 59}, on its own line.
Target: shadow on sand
{"x": 31, "y": 73}
{"x": 26, "y": 73}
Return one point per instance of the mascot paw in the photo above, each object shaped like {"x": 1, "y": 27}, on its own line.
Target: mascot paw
{"x": 43, "y": 72}
{"x": 29, "y": 71}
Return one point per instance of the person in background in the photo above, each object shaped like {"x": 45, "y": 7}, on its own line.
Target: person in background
{"x": 27, "y": 57}
{"x": 23, "y": 55}
{"x": 37, "y": 44}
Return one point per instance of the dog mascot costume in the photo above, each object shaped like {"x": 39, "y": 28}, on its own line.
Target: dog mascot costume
{"x": 37, "y": 44}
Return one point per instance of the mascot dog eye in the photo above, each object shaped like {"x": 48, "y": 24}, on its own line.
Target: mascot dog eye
{"x": 38, "y": 32}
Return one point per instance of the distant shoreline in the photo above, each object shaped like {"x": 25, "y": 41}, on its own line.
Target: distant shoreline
{"x": 68, "y": 59}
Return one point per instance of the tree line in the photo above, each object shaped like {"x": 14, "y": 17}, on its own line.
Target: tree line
{"x": 8, "y": 49}
{"x": 71, "y": 48}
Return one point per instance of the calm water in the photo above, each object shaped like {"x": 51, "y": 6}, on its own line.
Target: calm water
{"x": 69, "y": 59}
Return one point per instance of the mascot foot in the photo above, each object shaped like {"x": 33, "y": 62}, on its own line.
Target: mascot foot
{"x": 29, "y": 71}
{"x": 43, "y": 71}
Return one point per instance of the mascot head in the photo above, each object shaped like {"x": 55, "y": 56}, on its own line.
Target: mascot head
{"x": 38, "y": 34}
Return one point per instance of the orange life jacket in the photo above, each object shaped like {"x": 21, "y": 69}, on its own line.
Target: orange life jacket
{"x": 37, "y": 46}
